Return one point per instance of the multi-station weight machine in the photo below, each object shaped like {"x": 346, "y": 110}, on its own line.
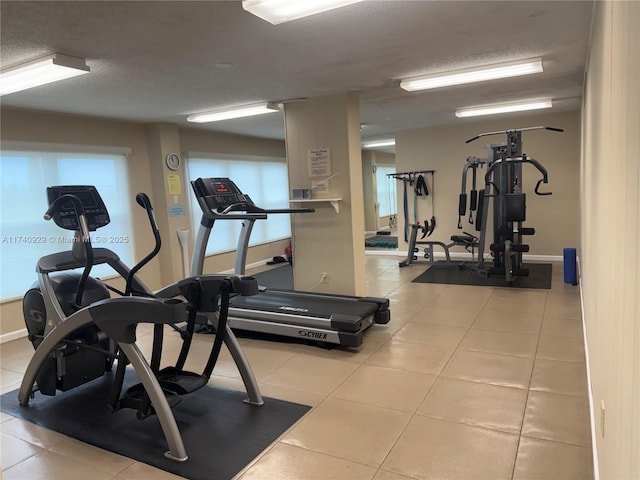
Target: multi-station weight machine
{"x": 503, "y": 181}
{"x": 503, "y": 186}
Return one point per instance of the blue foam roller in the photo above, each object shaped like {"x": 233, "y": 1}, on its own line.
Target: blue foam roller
{"x": 570, "y": 266}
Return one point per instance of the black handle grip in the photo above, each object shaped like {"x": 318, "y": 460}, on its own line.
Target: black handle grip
{"x": 289, "y": 210}
{"x": 424, "y": 229}
{"x": 473, "y": 201}
{"x": 143, "y": 201}
{"x": 537, "y": 191}
{"x": 462, "y": 204}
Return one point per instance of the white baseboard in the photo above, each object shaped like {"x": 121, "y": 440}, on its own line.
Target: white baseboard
{"x": 259, "y": 263}
{"x": 543, "y": 258}
{"x": 463, "y": 255}
{"x": 7, "y": 337}
{"x": 384, "y": 253}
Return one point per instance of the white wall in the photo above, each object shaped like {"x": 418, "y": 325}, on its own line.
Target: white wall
{"x": 609, "y": 232}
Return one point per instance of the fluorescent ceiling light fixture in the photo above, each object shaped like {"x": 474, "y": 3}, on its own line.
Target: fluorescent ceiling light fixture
{"x": 236, "y": 112}
{"x": 40, "y": 71}
{"x": 380, "y": 143}
{"x": 471, "y": 75}
{"x": 280, "y": 11}
{"x": 503, "y": 108}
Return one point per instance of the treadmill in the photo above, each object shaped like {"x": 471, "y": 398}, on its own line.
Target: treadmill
{"x": 323, "y": 318}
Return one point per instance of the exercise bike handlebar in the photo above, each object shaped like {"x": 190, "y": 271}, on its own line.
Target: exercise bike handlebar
{"x": 80, "y": 213}
{"x": 144, "y": 202}
{"x": 85, "y": 237}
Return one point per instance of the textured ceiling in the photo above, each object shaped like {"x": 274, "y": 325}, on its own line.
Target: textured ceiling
{"x": 156, "y": 61}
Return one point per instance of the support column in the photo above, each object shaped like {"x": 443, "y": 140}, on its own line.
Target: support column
{"x": 170, "y": 198}
{"x": 327, "y": 241}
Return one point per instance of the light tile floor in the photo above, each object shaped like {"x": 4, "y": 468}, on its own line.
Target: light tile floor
{"x": 463, "y": 383}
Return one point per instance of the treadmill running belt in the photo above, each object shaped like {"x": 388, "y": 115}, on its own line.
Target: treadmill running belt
{"x": 300, "y": 304}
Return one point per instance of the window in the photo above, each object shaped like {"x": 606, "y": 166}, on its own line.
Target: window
{"x": 26, "y": 236}
{"x": 266, "y": 181}
{"x": 386, "y": 189}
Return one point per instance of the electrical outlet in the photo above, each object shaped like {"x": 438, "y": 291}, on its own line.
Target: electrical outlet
{"x": 602, "y": 417}
{"x": 324, "y": 278}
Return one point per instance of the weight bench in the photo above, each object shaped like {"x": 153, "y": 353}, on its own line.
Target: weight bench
{"x": 468, "y": 241}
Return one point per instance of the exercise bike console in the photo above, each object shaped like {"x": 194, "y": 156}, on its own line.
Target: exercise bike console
{"x": 65, "y": 215}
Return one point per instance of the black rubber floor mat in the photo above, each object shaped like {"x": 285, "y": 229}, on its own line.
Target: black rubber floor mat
{"x": 221, "y": 433}
{"x": 279, "y": 277}
{"x": 539, "y": 277}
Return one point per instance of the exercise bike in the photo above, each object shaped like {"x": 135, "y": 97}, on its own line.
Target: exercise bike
{"x": 78, "y": 330}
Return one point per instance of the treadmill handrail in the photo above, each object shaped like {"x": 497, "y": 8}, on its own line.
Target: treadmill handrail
{"x": 247, "y": 207}
{"x": 289, "y": 210}
{"x": 212, "y": 214}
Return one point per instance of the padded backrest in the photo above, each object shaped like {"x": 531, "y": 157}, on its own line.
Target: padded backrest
{"x": 515, "y": 207}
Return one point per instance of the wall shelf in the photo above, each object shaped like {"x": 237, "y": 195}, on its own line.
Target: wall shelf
{"x": 333, "y": 201}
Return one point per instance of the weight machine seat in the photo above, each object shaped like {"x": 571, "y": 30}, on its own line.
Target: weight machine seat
{"x": 466, "y": 240}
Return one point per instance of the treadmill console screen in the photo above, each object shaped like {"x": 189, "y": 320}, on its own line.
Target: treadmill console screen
{"x": 65, "y": 214}
{"x": 216, "y": 194}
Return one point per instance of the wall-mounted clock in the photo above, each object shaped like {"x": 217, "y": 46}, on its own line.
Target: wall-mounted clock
{"x": 173, "y": 161}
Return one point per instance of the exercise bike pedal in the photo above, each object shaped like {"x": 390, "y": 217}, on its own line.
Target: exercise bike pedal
{"x": 172, "y": 399}
{"x": 137, "y": 399}
{"x": 180, "y": 382}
